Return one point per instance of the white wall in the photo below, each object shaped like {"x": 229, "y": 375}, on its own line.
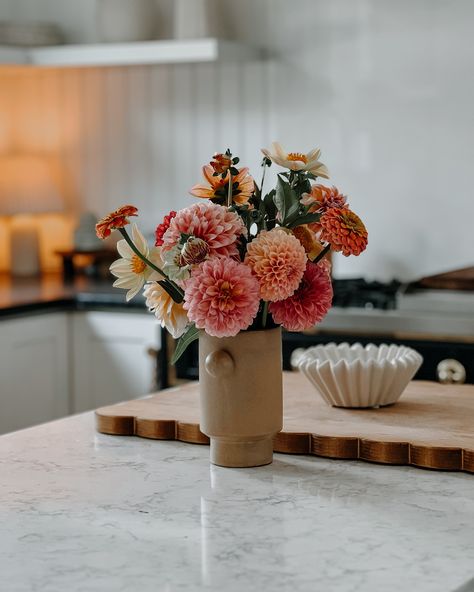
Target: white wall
{"x": 384, "y": 88}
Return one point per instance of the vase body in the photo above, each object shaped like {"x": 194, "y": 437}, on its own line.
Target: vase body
{"x": 241, "y": 396}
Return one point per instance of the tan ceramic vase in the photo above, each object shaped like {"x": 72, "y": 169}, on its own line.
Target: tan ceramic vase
{"x": 241, "y": 396}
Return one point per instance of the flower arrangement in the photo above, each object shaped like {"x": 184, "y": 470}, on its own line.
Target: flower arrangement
{"x": 242, "y": 259}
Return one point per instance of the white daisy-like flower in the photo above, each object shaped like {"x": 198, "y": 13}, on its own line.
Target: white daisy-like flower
{"x": 297, "y": 161}
{"x": 171, "y": 315}
{"x": 131, "y": 271}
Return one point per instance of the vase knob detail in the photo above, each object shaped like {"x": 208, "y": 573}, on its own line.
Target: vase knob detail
{"x": 219, "y": 363}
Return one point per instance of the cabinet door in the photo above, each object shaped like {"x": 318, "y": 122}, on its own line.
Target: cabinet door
{"x": 33, "y": 370}
{"x": 111, "y": 358}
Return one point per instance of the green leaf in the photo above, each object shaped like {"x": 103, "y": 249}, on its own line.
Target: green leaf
{"x": 186, "y": 339}
{"x": 269, "y": 205}
{"x": 285, "y": 199}
{"x": 305, "y": 219}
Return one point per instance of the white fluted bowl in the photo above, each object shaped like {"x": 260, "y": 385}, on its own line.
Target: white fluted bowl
{"x": 357, "y": 376}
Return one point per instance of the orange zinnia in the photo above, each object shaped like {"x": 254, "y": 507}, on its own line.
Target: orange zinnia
{"x": 344, "y": 230}
{"x": 242, "y": 186}
{"x": 117, "y": 219}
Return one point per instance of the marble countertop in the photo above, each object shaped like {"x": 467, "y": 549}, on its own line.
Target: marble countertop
{"x": 82, "y": 511}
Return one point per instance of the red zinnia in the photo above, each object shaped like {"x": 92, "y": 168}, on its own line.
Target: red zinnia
{"x": 117, "y": 219}
{"x": 309, "y": 304}
{"x": 344, "y": 230}
{"x": 163, "y": 227}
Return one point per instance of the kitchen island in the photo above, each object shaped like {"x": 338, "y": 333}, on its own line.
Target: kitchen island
{"x": 82, "y": 511}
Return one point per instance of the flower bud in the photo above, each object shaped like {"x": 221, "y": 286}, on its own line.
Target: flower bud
{"x": 195, "y": 250}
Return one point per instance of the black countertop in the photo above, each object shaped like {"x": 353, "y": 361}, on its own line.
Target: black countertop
{"x": 49, "y": 293}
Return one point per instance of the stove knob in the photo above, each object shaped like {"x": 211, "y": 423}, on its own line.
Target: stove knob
{"x": 451, "y": 371}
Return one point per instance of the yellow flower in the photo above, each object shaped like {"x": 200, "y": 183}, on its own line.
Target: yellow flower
{"x": 130, "y": 270}
{"x": 297, "y": 161}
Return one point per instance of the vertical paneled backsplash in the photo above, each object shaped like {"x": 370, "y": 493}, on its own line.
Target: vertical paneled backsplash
{"x": 385, "y": 88}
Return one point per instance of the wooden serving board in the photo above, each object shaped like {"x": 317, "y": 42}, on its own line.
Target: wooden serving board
{"x": 431, "y": 426}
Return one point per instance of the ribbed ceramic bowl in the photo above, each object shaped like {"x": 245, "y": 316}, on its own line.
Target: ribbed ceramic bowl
{"x": 357, "y": 376}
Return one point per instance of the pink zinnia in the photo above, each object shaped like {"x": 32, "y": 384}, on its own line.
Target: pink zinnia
{"x": 212, "y": 223}
{"x": 222, "y": 297}
{"x": 309, "y": 304}
{"x": 278, "y": 259}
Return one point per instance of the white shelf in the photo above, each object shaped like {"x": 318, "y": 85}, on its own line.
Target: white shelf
{"x": 126, "y": 54}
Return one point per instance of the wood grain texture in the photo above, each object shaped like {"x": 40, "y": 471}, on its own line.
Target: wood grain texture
{"x": 430, "y": 427}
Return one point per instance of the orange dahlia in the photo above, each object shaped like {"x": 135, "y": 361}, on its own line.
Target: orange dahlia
{"x": 117, "y": 219}
{"x": 242, "y": 186}
{"x": 344, "y": 230}
{"x": 278, "y": 260}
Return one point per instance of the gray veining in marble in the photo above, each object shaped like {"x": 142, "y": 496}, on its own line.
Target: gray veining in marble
{"x": 86, "y": 512}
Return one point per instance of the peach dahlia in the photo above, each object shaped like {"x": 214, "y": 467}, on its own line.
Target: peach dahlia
{"x": 278, "y": 260}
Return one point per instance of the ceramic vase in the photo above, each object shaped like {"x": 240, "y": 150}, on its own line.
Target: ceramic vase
{"x": 241, "y": 396}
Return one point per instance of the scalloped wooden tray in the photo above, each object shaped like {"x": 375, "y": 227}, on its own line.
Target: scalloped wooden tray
{"x": 431, "y": 426}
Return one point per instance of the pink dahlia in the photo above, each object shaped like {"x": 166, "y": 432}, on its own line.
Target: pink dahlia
{"x": 221, "y": 297}
{"x": 278, "y": 260}
{"x": 309, "y": 304}
{"x": 212, "y": 223}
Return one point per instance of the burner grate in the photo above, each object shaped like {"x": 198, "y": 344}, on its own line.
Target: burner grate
{"x": 360, "y": 293}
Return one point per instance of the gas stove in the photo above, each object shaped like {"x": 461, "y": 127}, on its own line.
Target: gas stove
{"x": 360, "y": 293}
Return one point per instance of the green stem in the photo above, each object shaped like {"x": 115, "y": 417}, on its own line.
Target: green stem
{"x": 321, "y": 255}
{"x": 263, "y": 179}
{"x": 264, "y": 314}
{"x": 173, "y": 289}
{"x": 229, "y": 192}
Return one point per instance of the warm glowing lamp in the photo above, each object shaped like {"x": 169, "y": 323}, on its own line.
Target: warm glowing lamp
{"x": 29, "y": 185}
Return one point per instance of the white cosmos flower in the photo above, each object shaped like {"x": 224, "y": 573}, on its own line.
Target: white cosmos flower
{"x": 171, "y": 315}
{"x": 130, "y": 270}
{"x": 297, "y": 161}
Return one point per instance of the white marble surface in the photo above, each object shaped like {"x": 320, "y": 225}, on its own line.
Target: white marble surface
{"x": 81, "y": 511}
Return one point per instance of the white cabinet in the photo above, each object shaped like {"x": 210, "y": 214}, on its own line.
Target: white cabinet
{"x": 34, "y": 378}
{"x": 111, "y": 361}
